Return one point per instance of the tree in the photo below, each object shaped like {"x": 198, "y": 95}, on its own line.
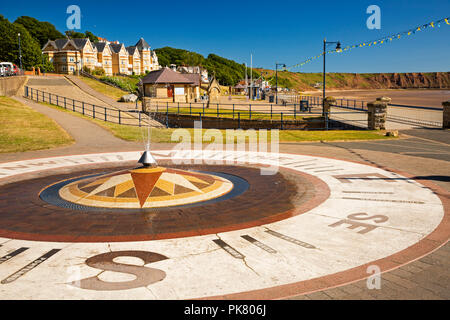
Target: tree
{"x": 228, "y": 72}
{"x": 75, "y": 35}
{"x": 9, "y": 45}
{"x": 91, "y": 36}
{"x": 41, "y": 31}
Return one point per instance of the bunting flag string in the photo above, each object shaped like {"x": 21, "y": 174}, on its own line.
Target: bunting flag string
{"x": 383, "y": 40}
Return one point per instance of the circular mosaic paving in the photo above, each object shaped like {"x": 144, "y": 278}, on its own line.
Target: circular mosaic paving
{"x": 154, "y": 203}
{"x": 142, "y": 188}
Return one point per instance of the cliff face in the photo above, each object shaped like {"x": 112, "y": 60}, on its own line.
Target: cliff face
{"x": 435, "y": 80}
{"x": 310, "y": 81}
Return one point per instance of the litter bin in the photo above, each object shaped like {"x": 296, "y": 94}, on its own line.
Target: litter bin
{"x": 271, "y": 99}
{"x": 304, "y": 105}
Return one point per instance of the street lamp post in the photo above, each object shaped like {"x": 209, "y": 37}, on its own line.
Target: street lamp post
{"x": 20, "y": 52}
{"x": 276, "y": 80}
{"x": 338, "y": 47}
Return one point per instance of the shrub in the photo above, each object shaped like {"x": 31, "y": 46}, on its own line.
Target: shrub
{"x": 98, "y": 72}
{"x": 123, "y": 83}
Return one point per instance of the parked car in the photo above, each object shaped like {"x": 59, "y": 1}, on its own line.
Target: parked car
{"x": 15, "y": 70}
{"x": 8, "y": 68}
{"x": 2, "y": 71}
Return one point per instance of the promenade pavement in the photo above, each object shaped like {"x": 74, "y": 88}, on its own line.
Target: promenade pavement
{"x": 425, "y": 278}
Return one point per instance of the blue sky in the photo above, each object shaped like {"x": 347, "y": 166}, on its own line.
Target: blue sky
{"x": 283, "y": 31}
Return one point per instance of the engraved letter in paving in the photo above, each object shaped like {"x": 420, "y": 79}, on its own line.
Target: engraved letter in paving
{"x": 361, "y": 216}
{"x": 144, "y": 276}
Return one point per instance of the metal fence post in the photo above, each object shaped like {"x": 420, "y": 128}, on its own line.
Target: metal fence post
{"x": 93, "y": 111}
{"x": 282, "y": 121}
{"x": 239, "y": 120}
{"x": 65, "y": 104}
{"x": 326, "y": 121}
{"x": 57, "y": 101}
{"x": 105, "y": 114}
{"x": 139, "y": 118}
{"x": 217, "y": 110}
{"x": 190, "y": 108}
{"x": 50, "y": 98}
{"x": 82, "y": 106}
{"x": 250, "y": 109}
{"x": 203, "y": 109}
{"x": 271, "y": 111}
{"x": 73, "y": 105}
{"x": 167, "y": 118}
{"x": 120, "y": 120}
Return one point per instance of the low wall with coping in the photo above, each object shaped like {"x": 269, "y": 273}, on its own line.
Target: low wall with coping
{"x": 187, "y": 121}
{"x": 10, "y": 86}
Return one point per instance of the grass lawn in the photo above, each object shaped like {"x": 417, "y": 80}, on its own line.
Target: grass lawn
{"x": 131, "y": 133}
{"x": 23, "y": 129}
{"x": 107, "y": 90}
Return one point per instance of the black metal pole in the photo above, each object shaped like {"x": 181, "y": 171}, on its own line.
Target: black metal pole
{"x": 276, "y": 83}
{"x": 20, "y": 53}
{"x": 324, "y": 74}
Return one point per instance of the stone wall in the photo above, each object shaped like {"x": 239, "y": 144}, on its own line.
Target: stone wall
{"x": 377, "y": 113}
{"x": 446, "y": 115}
{"x": 327, "y": 103}
{"x": 10, "y": 86}
{"x": 187, "y": 121}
